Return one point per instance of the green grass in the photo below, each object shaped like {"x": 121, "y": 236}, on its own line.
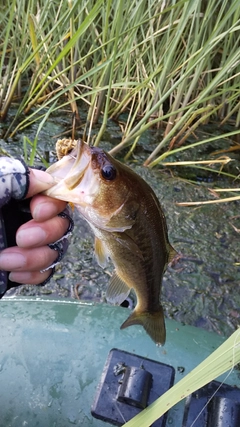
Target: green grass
{"x": 172, "y": 65}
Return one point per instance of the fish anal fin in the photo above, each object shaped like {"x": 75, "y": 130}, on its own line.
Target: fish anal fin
{"x": 101, "y": 252}
{"x": 153, "y": 324}
{"x": 118, "y": 290}
{"x": 172, "y": 254}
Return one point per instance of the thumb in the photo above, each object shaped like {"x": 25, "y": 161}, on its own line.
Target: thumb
{"x": 39, "y": 181}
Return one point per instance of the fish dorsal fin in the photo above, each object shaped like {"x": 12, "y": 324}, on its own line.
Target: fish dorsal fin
{"x": 118, "y": 290}
{"x": 101, "y": 253}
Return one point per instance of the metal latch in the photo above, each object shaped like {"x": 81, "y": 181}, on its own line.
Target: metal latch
{"x": 214, "y": 405}
{"x": 130, "y": 383}
{"x": 135, "y": 387}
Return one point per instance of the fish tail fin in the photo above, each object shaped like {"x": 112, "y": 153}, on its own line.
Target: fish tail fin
{"x": 153, "y": 323}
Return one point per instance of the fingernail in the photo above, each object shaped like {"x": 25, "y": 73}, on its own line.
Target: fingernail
{"x": 30, "y": 236}
{"x": 43, "y": 177}
{"x": 20, "y": 277}
{"x": 11, "y": 261}
{"x": 47, "y": 209}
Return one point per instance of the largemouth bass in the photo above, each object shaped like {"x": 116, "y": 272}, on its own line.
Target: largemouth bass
{"x": 129, "y": 227}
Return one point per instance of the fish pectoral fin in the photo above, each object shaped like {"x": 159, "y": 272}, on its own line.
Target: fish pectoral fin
{"x": 118, "y": 290}
{"x": 101, "y": 252}
{"x": 153, "y": 324}
{"x": 128, "y": 243}
{"x": 125, "y": 216}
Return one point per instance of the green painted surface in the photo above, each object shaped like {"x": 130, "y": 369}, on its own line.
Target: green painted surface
{"x": 52, "y": 354}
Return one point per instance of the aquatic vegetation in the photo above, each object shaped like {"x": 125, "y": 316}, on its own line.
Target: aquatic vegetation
{"x": 169, "y": 65}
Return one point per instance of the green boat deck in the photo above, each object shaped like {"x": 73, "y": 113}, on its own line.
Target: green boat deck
{"x": 52, "y": 354}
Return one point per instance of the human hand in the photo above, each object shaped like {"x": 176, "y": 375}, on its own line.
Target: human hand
{"x": 32, "y": 254}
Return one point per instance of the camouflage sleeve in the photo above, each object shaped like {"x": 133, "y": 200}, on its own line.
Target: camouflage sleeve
{"x": 14, "y": 179}
{"x": 14, "y": 183}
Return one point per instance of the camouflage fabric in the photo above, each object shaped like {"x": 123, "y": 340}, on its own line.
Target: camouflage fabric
{"x": 14, "y": 184}
{"x": 14, "y": 179}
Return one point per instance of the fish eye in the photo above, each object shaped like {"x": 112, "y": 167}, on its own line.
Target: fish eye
{"x": 109, "y": 172}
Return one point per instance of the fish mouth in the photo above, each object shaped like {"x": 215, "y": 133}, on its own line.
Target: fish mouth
{"x": 72, "y": 173}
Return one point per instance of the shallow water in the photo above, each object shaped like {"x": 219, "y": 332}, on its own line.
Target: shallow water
{"x": 201, "y": 287}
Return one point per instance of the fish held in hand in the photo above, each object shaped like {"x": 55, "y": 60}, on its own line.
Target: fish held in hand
{"x": 129, "y": 227}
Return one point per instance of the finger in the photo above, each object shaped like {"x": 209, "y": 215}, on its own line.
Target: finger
{"x": 39, "y": 181}
{"x": 44, "y": 207}
{"x": 34, "y": 234}
{"x": 30, "y": 278}
{"x": 35, "y": 259}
